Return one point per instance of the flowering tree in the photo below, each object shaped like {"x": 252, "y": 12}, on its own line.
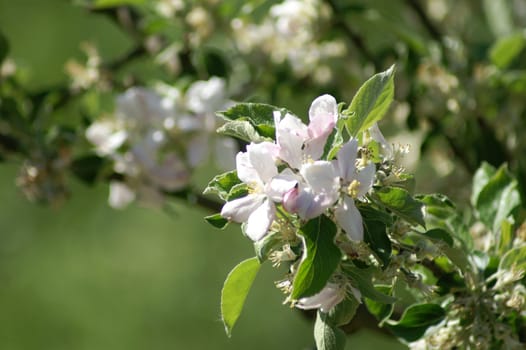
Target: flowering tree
{"x": 322, "y": 193}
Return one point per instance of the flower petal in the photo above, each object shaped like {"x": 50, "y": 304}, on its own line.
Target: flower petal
{"x": 366, "y": 179}
{"x": 239, "y": 210}
{"x": 350, "y": 219}
{"x": 245, "y": 170}
{"x": 260, "y": 220}
{"x": 321, "y": 177}
{"x": 290, "y": 136}
{"x": 325, "y": 300}
{"x": 121, "y": 195}
{"x": 262, "y": 159}
{"x": 323, "y": 114}
{"x": 282, "y": 184}
{"x": 346, "y": 159}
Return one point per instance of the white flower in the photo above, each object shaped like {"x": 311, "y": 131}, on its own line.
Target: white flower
{"x": 106, "y": 136}
{"x": 355, "y": 183}
{"x": 206, "y": 96}
{"x": 121, "y": 195}
{"x": 141, "y": 107}
{"x": 301, "y": 146}
{"x": 330, "y": 296}
{"x": 256, "y": 167}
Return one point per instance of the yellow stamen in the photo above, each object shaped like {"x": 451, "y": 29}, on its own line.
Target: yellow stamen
{"x": 352, "y": 189}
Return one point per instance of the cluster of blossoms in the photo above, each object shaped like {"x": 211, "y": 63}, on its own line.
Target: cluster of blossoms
{"x": 289, "y": 182}
{"x": 155, "y": 139}
{"x": 288, "y": 33}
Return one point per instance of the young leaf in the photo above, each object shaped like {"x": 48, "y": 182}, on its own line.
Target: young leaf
{"x": 497, "y": 199}
{"x": 514, "y": 260}
{"x": 371, "y": 102}
{"x": 217, "y": 221}
{"x": 379, "y": 310}
{"x": 401, "y": 203}
{"x": 506, "y": 49}
{"x": 320, "y": 257}
{"x": 327, "y": 337}
{"x": 222, "y": 184}
{"x": 416, "y": 320}
{"x": 481, "y": 178}
{"x": 506, "y": 236}
{"x": 241, "y": 129}
{"x": 235, "y": 291}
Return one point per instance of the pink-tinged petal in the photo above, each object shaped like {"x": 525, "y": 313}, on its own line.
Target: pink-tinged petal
{"x": 260, "y": 220}
{"x": 366, "y": 179}
{"x": 304, "y": 202}
{"x": 262, "y": 159}
{"x": 321, "y": 177}
{"x": 330, "y": 296}
{"x": 350, "y": 219}
{"x": 346, "y": 159}
{"x": 290, "y": 136}
{"x": 282, "y": 184}
{"x": 323, "y": 114}
{"x": 239, "y": 210}
{"x": 314, "y": 147}
{"x": 245, "y": 170}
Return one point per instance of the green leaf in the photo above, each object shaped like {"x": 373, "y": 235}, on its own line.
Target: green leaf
{"x": 371, "y": 102}
{"x": 497, "y": 199}
{"x": 379, "y": 310}
{"x": 514, "y": 260}
{"x": 439, "y": 235}
{"x": 259, "y": 115}
{"x": 481, "y": 178}
{"x": 499, "y": 17}
{"x": 87, "y": 168}
{"x": 506, "y": 236}
{"x": 327, "y": 337}
{"x": 375, "y": 235}
{"x": 241, "y": 129}
{"x": 320, "y": 257}
{"x": 217, "y": 220}
{"x": 362, "y": 279}
{"x": 402, "y": 204}
{"x": 266, "y": 245}
{"x": 235, "y": 291}
{"x": 114, "y": 3}
{"x": 222, "y": 184}
{"x": 416, "y": 320}
{"x": 343, "y": 312}
{"x": 506, "y": 49}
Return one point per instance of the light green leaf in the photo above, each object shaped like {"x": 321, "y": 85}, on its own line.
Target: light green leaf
{"x": 506, "y": 49}
{"x": 371, "y": 102}
{"x": 381, "y": 311}
{"x": 235, "y": 291}
{"x": 416, "y": 320}
{"x": 222, "y": 184}
{"x": 402, "y": 204}
{"x": 327, "y": 337}
{"x": 343, "y": 312}
{"x": 497, "y": 199}
{"x": 481, "y": 178}
{"x": 499, "y": 17}
{"x": 514, "y": 260}
{"x": 320, "y": 258}
{"x": 266, "y": 245}
{"x": 506, "y": 235}
{"x": 241, "y": 129}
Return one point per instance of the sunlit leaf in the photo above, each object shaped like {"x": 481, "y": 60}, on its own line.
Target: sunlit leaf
{"x": 401, "y": 203}
{"x": 235, "y": 291}
{"x": 222, "y": 184}
{"x": 217, "y": 221}
{"x": 416, "y": 320}
{"x": 506, "y": 49}
{"x": 371, "y": 102}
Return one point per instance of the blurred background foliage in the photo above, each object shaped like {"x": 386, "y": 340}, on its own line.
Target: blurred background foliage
{"x": 84, "y": 276}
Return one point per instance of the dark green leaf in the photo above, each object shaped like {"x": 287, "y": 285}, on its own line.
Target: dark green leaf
{"x": 217, "y": 220}
{"x": 375, "y": 235}
{"x": 222, "y": 184}
{"x": 439, "y": 235}
{"x": 401, "y": 203}
{"x": 416, "y": 320}
{"x": 235, "y": 291}
{"x": 4, "y": 48}
{"x": 362, "y": 279}
{"x": 371, "y": 102}
{"x": 87, "y": 168}
{"x": 327, "y": 337}
{"x": 320, "y": 258}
